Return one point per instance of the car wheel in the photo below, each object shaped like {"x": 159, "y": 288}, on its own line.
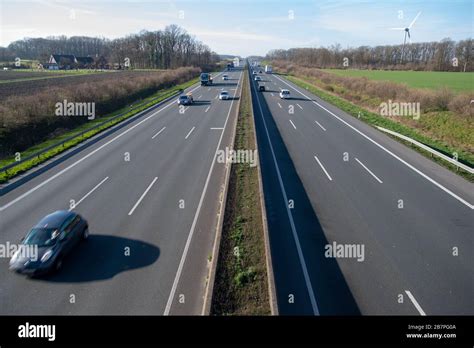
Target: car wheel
{"x": 85, "y": 234}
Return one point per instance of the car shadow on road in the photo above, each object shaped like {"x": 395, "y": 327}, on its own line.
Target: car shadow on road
{"x": 332, "y": 293}
{"x": 102, "y": 257}
{"x": 224, "y": 84}
{"x": 303, "y": 99}
{"x": 202, "y": 102}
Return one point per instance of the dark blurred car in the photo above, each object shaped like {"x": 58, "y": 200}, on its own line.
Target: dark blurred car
{"x": 185, "y": 100}
{"x": 54, "y": 237}
{"x": 261, "y": 88}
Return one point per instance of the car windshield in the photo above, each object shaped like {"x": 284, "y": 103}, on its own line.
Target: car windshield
{"x": 224, "y": 93}
{"x": 42, "y": 237}
{"x": 183, "y": 97}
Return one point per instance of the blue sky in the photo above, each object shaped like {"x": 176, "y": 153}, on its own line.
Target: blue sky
{"x": 244, "y": 27}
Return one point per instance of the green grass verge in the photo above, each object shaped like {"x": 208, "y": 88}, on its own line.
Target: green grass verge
{"x": 456, "y": 81}
{"x": 137, "y": 107}
{"x": 241, "y": 283}
{"x": 376, "y": 120}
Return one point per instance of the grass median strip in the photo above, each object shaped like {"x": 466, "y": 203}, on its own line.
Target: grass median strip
{"x": 241, "y": 284}
{"x": 377, "y": 120}
{"x": 82, "y": 133}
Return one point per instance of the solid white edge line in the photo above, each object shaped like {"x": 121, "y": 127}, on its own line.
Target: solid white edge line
{"x": 89, "y": 193}
{"x": 192, "y": 129}
{"x": 292, "y": 124}
{"x": 452, "y": 194}
{"x": 162, "y": 129}
{"x": 367, "y": 169}
{"x": 72, "y": 165}
{"x": 415, "y": 303}
{"x": 319, "y": 124}
{"x": 142, "y": 196}
{"x": 193, "y": 226}
{"x": 309, "y": 287}
{"x": 322, "y": 167}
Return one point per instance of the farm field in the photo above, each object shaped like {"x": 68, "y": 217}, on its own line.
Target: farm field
{"x": 32, "y": 85}
{"x": 456, "y": 81}
{"x": 30, "y": 74}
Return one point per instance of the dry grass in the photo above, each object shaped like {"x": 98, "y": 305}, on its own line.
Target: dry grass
{"x": 442, "y": 99}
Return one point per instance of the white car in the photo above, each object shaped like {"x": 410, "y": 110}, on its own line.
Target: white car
{"x": 224, "y": 95}
{"x": 225, "y": 77}
{"x": 255, "y": 72}
{"x": 284, "y": 94}
{"x": 258, "y": 78}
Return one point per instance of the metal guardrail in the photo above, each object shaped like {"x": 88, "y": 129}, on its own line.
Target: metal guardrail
{"x": 429, "y": 149}
{"x": 38, "y": 154}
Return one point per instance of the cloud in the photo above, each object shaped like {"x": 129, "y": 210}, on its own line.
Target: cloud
{"x": 234, "y": 35}
{"x": 66, "y": 5}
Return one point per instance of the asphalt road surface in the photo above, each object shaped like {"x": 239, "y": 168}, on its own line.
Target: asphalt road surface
{"x": 152, "y": 218}
{"x": 329, "y": 178}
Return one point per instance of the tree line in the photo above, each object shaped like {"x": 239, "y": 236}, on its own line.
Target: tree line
{"x": 169, "y": 48}
{"x": 445, "y": 55}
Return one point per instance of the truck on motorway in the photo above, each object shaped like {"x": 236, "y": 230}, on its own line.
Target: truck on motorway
{"x": 206, "y": 79}
{"x": 230, "y": 66}
{"x": 268, "y": 69}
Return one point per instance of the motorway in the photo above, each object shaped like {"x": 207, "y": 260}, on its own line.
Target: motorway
{"x": 150, "y": 193}
{"x": 328, "y": 177}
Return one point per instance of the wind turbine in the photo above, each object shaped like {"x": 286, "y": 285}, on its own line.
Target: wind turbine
{"x": 407, "y": 32}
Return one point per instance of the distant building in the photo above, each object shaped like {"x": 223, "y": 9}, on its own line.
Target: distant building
{"x": 101, "y": 63}
{"x": 70, "y": 61}
{"x": 84, "y": 62}
{"x": 62, "y": 61}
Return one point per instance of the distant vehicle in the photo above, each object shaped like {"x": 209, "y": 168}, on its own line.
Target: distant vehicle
{"x": 206, "y": 79}
{"x": 224, "y": 95}
{"x": 185, "y": 99}
{"x": 230, "y": 66}
{"x": 254, "y": 72}
{"x": 225, "y": 77}
{"x": 260, "y": 72}
{"x": 5, "y": 68}
{"x": 258, "y": 78}
{"x": 268, "y": 69}
{"x": 284, "y": 94}
{"x": 54, "y": 237}
{"x": 261, "y": 88}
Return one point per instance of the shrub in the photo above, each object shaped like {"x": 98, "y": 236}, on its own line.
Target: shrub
{"x": 246, "y": 276}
